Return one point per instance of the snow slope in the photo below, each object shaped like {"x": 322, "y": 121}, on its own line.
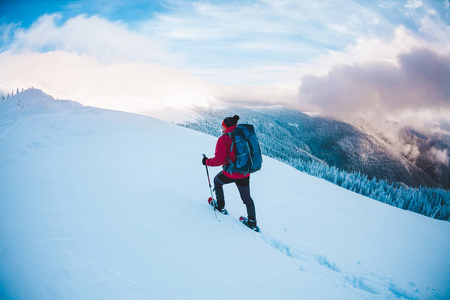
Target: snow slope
{"x": 98, "y": 204}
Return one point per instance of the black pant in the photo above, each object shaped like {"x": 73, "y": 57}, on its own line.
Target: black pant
{"x": 243, "y": 186}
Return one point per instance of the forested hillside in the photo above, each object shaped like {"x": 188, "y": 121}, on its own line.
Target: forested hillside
{"x": 343, "y": 154}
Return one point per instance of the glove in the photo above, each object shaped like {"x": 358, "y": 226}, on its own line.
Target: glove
{"x": 204, "y": 160}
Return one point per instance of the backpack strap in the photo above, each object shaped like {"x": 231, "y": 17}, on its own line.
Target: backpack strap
{"x": 232, "y": 141}
{"x": 231, "y": 149}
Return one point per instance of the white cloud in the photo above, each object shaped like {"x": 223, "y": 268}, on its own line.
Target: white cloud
{"x": 255, "y": 54}
{"x": 6, "y": 31}
{"x": 106, "y": 41}
{"x": 256, "y": 95}
{"x": 411, "y": 152}
{"x": 132, "y": 86}
{"x": 413, "y": 91}
{"x": 365, "y": 50}
{"x": 253, "y": 35}
{"x": 440, "y": 156}
{"x": 102, "y": 63}
{"x": 137, "y": 87}
{"x": 413, "y": 4}
{"x": 432, "y": 12}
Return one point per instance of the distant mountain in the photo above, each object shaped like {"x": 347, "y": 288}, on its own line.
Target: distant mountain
{"x": 432, "y": 156}
{"x": 290, "y": 135}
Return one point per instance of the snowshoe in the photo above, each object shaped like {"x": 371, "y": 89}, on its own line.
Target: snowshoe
{"x": 213, "y": 203}
{"x": 249, "y": 223}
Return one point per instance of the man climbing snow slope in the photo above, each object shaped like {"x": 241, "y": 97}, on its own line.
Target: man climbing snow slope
{"x": 225, "y": 153}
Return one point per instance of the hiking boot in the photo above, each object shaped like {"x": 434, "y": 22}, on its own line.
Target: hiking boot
{"x": 221, "y": 209}
{"x": 251, "y": 223}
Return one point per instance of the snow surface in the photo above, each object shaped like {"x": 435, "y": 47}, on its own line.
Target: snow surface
{"x": 98, "y": 204}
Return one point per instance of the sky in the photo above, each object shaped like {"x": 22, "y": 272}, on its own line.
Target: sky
{"x": 344, "y": 59}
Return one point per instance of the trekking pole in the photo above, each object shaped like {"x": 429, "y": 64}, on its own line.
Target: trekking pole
{"x": 210, "y": 189}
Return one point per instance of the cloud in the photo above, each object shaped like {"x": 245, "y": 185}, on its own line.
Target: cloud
{"x": 439, "y": 156}
{"x": 108, "y": 42}
{"x": 251, "y": 52}
{"x": 6, "y": 31}
{"x": 104, "y": 64}
{"x": 99, "y": 63}
{"x": 243, "y": 36}
{"x": 132, "y": 86}
{"x": 136, "y": 87}
{"x": 255, "y": 95}
{"x": 417, "y": 84}
{"x": 413, "y": 4}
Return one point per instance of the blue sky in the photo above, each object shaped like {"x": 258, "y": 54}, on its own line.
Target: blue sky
{"x": 210, "y": 34}
{"x": 27, "y": 11}
{"x": 247, "y": 52}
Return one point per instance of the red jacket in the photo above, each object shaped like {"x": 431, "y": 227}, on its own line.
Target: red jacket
{"x": 223, "y": 153}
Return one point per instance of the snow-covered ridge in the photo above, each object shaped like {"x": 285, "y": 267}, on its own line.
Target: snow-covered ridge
{"x": 98, "y": 204}
{"x": 37, "y": 102}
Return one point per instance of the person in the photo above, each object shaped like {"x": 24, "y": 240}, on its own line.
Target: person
{"x": 224, "y": 153}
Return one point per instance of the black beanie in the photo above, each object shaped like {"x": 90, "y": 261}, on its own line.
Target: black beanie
{"x": 230, "y": 121}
